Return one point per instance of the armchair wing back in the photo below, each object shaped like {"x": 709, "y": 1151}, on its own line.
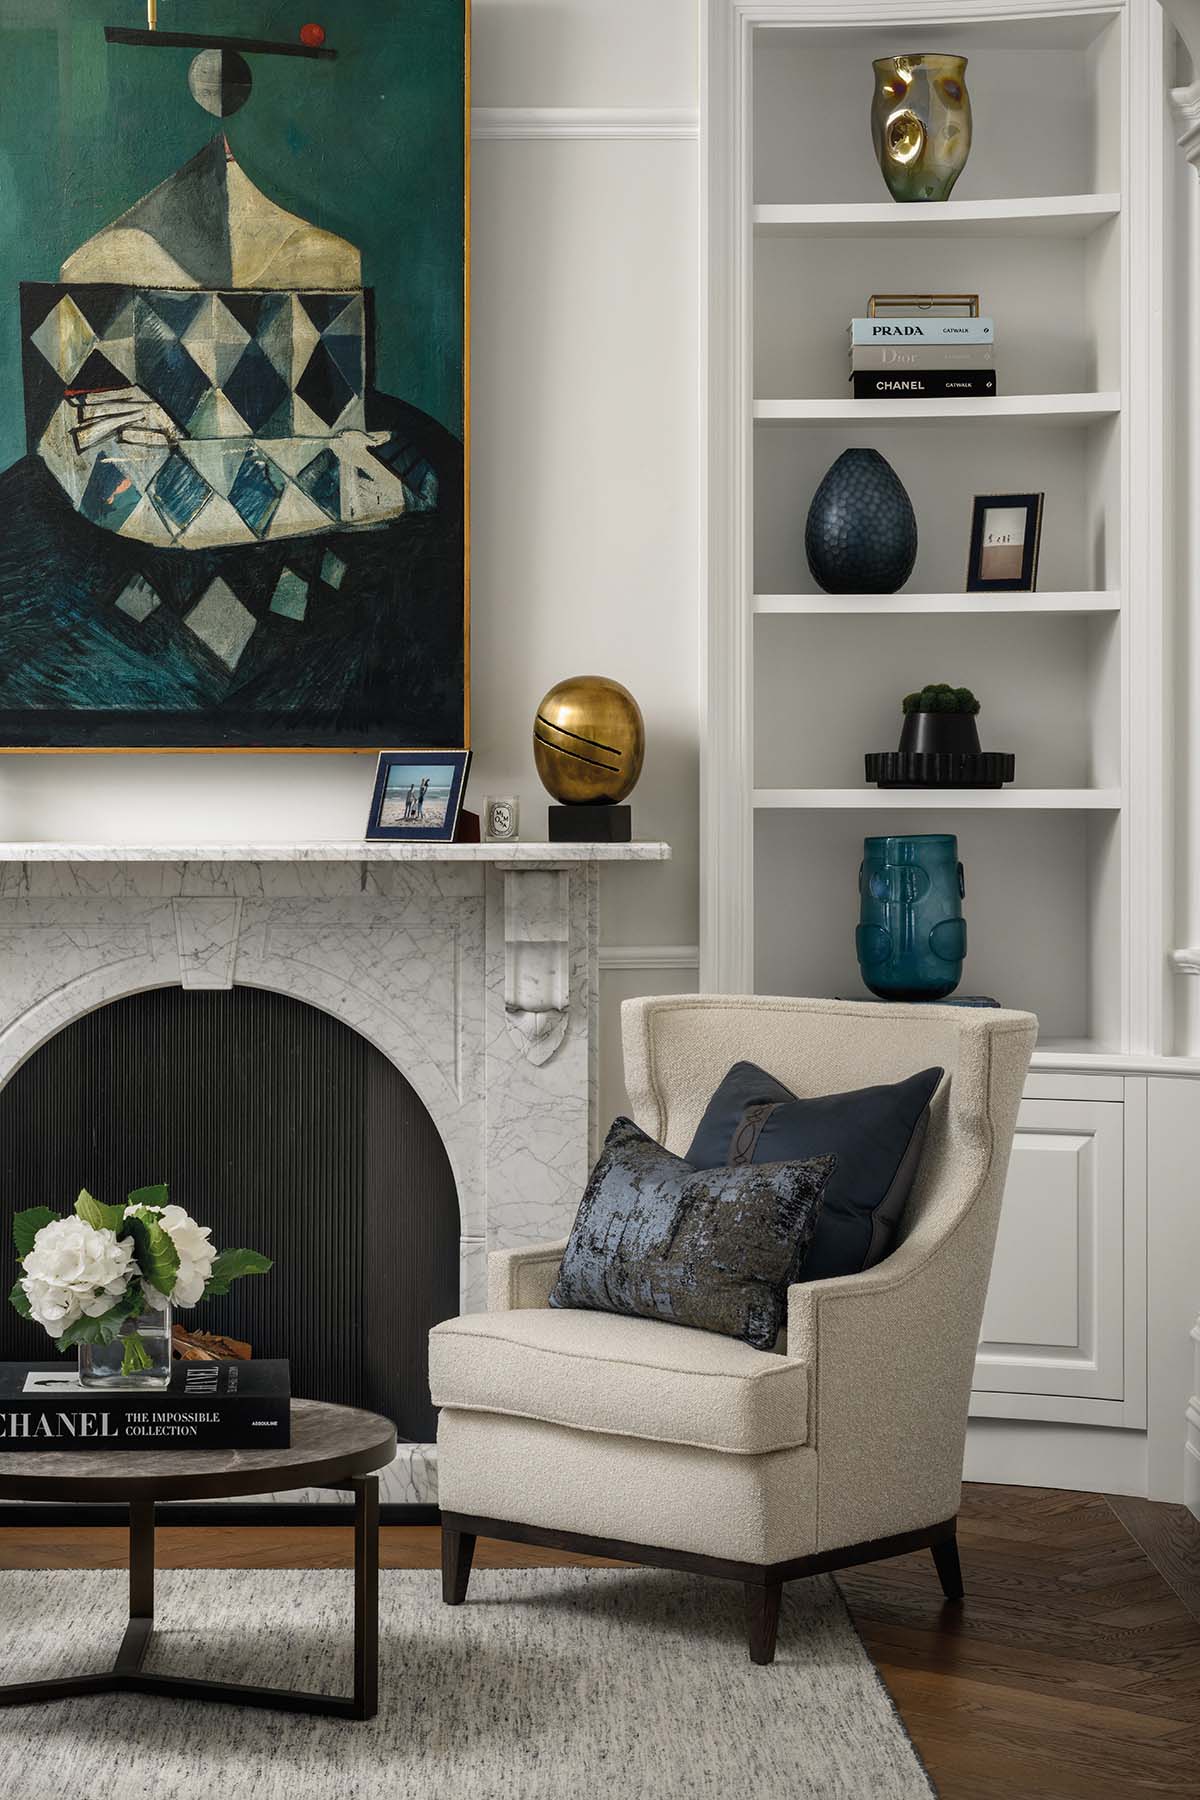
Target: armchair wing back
{"x": 891, "y": 1350}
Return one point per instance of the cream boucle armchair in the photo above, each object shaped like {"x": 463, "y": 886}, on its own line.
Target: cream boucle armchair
{"x": 657, "y": 1444}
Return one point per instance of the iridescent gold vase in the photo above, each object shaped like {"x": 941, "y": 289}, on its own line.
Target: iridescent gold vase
{"x": 921, "y": 124}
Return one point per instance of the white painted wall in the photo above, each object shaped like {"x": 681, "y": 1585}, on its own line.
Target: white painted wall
{"x": 584, "y": 468}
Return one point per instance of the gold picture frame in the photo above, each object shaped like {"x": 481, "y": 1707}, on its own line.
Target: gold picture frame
{"x": 953, "y": 306}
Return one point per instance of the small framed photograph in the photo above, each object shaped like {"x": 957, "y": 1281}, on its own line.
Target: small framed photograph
{"x": 501, "y": 819}
{"x": 418, "y": 794}
{"x": 1006, "y": 530}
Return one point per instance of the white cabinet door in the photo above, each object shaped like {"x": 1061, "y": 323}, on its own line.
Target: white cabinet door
{"x": 1055, "y": 1316}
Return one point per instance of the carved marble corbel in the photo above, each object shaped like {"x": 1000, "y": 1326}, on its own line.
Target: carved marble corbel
{"x": 537, "y": 983}
{"x": 1184, "y": 15}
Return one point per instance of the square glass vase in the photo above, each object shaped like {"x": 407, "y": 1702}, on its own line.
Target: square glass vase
{"x": 138, "y": 1358}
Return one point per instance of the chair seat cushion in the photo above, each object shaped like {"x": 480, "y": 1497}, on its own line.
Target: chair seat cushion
{"x": 629, "y": 1377}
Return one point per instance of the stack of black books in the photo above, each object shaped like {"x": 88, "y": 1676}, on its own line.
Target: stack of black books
{"x": 208, "y": 1406}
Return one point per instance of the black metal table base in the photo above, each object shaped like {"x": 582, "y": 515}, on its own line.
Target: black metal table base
{"x": 128, "y": 1676}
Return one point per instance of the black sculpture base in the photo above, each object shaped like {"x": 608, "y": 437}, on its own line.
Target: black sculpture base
{"x": 590, "y": 824}
{"x": 921, "y": 768}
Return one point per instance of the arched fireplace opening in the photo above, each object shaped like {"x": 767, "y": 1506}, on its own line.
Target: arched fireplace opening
{"x": 281, "y": 1128}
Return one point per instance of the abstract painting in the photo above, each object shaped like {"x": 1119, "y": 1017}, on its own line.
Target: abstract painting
{"x": 233, "y": 499}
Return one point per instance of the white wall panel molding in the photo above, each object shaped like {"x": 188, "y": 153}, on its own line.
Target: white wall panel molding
{"x": 648, "y": 956}
{"x": 726, "y": 490}
{"x": 1191, "y": 1471}
{"x": 533, "y": 124}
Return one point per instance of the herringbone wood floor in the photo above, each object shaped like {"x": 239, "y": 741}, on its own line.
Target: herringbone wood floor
{"x": 1072, "y": 1672}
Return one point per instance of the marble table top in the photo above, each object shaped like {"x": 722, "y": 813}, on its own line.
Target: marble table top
{"x": 329, "y": 1443}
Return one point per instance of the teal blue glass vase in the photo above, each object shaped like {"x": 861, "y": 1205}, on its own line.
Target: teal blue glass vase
{"x": 911, "y": 937}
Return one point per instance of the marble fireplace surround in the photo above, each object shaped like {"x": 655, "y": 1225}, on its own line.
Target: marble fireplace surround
{"x": 472, "y": 967}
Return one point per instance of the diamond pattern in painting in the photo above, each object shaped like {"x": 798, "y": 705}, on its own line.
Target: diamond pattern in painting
{"x": 257, "y": 490}
{"x": 284, "y": 372}
{"x": 255, "y": 387}
{"x": 169, "y": 376}
{"x": 110, "y": 495}
{"x": 290, "y": 599}
{"x": 178, "y": 492}
{"x": 324, "y": 388}
{"x": 322, "y": 482}
{"x": 221, "y": 621}
{"x": 220, "y": 364}
{"x": 65, "y": 338}
{"x": 138, "y": 599}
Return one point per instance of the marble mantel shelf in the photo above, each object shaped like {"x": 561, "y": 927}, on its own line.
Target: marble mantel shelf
{"x": 336, "y": 850}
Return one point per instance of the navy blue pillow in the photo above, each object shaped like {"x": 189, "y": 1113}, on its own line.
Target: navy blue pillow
{"x": 875, "y": 1133}
{"x": 715, "y": 1249}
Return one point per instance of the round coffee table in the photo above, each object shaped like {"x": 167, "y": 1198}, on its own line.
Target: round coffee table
{"x": 332, "y": 1447}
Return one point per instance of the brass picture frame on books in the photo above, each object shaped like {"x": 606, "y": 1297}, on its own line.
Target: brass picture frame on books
{"x": 964, "y": 306}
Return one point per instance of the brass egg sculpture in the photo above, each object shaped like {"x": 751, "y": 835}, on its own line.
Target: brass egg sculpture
{"x": 589, "y": 741}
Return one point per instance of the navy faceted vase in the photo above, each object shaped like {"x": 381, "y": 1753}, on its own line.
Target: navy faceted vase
{"x": 861, "y": 533}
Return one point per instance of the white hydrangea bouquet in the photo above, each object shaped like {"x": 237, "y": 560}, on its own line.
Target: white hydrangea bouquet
{"x": 105, "y": 1280}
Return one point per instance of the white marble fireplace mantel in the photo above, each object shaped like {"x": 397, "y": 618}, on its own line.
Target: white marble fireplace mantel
{"x": 472, "y": 967}
{"x": 336, "y": 850}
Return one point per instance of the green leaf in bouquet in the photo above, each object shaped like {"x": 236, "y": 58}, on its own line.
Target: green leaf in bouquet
{"x": 229, "y": 1266}
{"x": 93, "y": 1212}
{"x": 19, "y": 1300}
{"x": 155, "y": 1195}
{"x": 107, "y": 1326}
{"x": 26, "y": 1226}
{"x": 86, "y": 1331}
{"x": 157, "y": 1256}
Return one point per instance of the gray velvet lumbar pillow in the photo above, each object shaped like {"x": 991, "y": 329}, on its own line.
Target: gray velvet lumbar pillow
{"x": 711, "y": 1248}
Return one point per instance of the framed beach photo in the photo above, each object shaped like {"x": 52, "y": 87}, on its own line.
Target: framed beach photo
{"x": 1006, "y": 530}
{"x": 418, "y": 794}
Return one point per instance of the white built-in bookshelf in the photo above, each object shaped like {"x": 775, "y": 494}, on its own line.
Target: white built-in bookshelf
{"x": 1056, "y": 223}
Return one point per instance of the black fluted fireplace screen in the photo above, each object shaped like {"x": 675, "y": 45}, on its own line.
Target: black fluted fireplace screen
{"x": 280, "y": 1127}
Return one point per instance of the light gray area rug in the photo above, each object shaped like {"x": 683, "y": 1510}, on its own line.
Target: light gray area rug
{"x": 549, "y": 1684}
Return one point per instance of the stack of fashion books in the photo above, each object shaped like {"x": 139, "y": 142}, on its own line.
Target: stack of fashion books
{"x": 208, "y": 1406}
{"x": 922, "y": 357}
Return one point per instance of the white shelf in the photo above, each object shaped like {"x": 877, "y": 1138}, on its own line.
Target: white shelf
{"x": 1054, "y": 409}
{"x": 963, "y": 605}
{"x": 1060, "y": 215}
{"x": 873, "y": 799}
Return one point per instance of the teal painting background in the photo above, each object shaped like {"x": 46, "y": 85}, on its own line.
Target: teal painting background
{"x": 370, "y": 146}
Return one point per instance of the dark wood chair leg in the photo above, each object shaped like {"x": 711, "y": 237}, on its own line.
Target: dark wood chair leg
{"x": 458, "y": 1548}
{"x": 945, "y": 1561}
{"x": 762, "y": 1618}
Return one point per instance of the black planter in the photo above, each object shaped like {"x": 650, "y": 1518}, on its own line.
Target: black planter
{"x": 933, "y": 734}
{"x": 940, "y": 750}
{"x": 861, "y": 532}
